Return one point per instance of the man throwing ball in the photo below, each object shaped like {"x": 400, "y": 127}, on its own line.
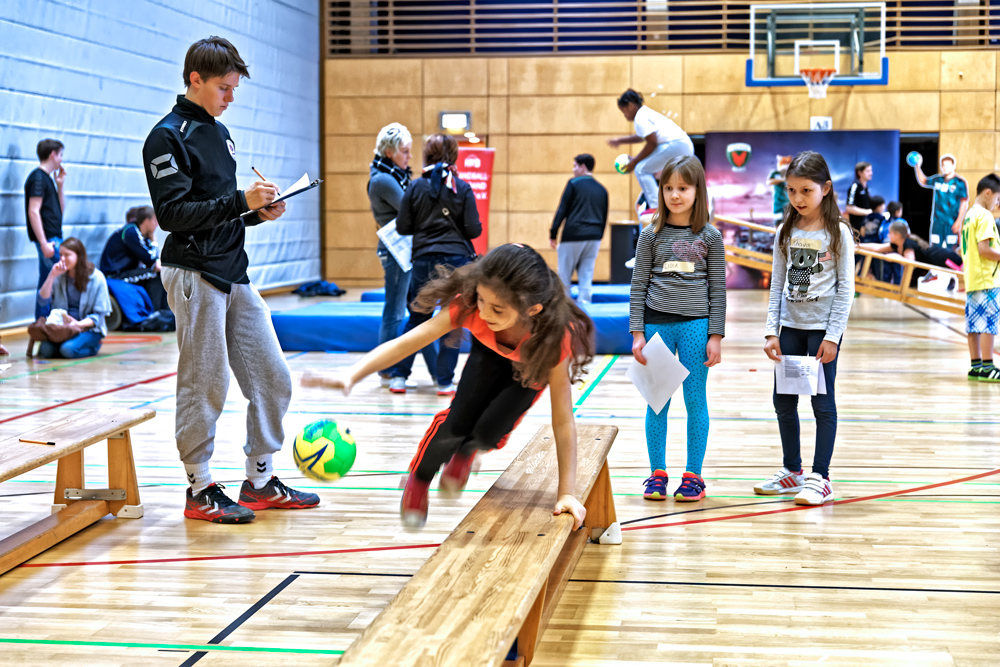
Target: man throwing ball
{"x": 222, "y": 321}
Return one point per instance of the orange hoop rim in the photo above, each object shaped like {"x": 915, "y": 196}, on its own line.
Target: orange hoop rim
{"x": 817, "y": 74}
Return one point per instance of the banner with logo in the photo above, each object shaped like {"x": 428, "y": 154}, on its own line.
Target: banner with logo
{"x": 745, "y": 172}
{"x": 475, "y": 167}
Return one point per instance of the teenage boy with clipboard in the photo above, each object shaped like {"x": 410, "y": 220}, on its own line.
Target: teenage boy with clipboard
{"x": 222, "y": 321}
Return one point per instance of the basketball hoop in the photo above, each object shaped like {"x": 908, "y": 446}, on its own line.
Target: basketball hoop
{"x": 817, "y": 80}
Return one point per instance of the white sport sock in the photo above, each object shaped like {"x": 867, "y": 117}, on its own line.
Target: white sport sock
{"x": 198, "y": 476}
{"x": 259, "y": 470}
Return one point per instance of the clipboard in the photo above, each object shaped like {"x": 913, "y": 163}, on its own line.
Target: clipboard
{"x": 298, "y": 187}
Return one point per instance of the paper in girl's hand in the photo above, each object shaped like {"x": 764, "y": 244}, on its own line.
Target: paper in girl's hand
{"x": 802, "y": 376}
{"x": 660, "y": 377}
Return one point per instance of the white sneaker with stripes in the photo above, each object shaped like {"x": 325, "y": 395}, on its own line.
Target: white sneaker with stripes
{"x": 815, "y": 491}
{"x": 783, "y": 481}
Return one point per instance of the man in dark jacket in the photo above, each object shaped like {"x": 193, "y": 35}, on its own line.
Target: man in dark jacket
{"x": 222, "y": 321}
{"x": 439, "y": 211}
{"x": 131, "y": 254}
{"x": 584, "y": 207}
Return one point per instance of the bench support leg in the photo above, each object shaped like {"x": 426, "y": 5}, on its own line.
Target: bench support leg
{"x": 602, "y": 520}
{"x": 121, "y": 475}
{"x": 69, "y": 475}
{"x": 527, "y": 638}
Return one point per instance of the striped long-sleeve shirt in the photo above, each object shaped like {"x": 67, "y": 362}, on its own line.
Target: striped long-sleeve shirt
{"x": 681, "y": 273}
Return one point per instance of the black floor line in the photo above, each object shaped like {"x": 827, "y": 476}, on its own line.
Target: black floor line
{"x": 790, "y": 586}
{"x": 354, "y": 574}
{"x": 244, "y": 617}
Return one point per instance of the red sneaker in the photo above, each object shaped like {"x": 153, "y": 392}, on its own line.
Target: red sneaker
{"x": 213, "y": 505}
{"x": 455, "y": 475}
{"x": 275, "y": 495}
{"x": 413, "y": 506}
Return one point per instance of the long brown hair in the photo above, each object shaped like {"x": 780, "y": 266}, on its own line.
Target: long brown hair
{"x": 83, "y": 268}
{"x": 520, "y": 277}
{"x": 811, "y": 165}
{"x": 689, "y": 168}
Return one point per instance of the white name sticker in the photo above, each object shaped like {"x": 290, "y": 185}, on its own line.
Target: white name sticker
{"x": 678, "y": 267}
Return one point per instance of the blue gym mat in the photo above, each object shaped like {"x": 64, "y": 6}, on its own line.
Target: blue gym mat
{"x": 352, "y": 326}
{"x": 602, "y": 294}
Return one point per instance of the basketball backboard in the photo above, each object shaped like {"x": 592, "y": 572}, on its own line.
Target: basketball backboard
{"x": 843, "y": 36}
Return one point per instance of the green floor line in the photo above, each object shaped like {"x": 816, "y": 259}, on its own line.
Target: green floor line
{"x": 84, "y": 361}
{"x": 171, "y": 647}
{"x": 593, "y": 385}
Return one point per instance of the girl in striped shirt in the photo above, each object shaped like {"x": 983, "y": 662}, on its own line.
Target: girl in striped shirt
{"x": 679, "y": 292}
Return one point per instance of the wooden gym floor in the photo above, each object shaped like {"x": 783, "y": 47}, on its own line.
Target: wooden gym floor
{"x": 905, "y": 570}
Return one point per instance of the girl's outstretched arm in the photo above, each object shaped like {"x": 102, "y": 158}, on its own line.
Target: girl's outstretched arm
{"x": 564, "y": 428}
{"x": 385, "y": 355}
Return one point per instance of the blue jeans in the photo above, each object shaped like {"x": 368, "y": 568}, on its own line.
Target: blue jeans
{"x": 801, "y": 342}
{"x": 84, "y": 344}
{"x": 397, "y": 284}
{"x": 44, "y": 266}
{"x": 440, "y": 358}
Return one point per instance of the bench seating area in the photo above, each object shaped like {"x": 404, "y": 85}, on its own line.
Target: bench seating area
{"x": 498, "y": 576}
{"x": 69, "y": 437}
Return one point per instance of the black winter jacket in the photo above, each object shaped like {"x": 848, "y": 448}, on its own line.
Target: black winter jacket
{"x": 190, "y": 163}
{"x": 421, "y": 215}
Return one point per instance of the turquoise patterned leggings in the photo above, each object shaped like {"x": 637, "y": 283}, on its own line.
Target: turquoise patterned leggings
{"x": 688, "y": 341}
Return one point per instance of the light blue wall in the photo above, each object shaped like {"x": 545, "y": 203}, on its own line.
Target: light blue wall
{"x": 99, "y": 74}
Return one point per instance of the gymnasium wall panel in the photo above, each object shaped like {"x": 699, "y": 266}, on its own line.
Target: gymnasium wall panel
{"x": 540, "y": 112}
{"x": 98, "y": 76}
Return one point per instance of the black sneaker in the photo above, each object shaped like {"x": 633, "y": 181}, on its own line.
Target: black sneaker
{"x": 974, "y": 373}
{"x": 215, "y": 506}
{"x": 275, "y": 495}
{"x": 989, "y": 374}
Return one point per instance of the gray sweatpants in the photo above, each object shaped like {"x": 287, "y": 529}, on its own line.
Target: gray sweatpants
{"x": 580, "y": 256}
{"x": 215, "y": 332}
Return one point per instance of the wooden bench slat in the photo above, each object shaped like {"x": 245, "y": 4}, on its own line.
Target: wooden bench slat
{"x": 470, "y": 599}
{"x": 71, "y": 433}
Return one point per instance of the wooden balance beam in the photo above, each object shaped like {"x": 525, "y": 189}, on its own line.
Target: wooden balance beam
{"x": 75, "y": 507}
{"x": 498, "y": 576}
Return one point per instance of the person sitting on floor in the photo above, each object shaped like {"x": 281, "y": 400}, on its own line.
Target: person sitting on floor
{"x": 912, "y": 247}
{"x": 131, "y": 255}
{"x": 78, "y": 288}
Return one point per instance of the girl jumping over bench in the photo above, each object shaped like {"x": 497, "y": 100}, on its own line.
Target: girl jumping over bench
{"x": 526, "y": 333}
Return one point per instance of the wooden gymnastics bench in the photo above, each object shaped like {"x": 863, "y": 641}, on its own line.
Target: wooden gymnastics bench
{"x": 75, "y": 507}
{"x": 499, "y": 575}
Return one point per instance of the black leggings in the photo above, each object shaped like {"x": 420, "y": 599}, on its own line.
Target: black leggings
{"x": 489, "y": 403}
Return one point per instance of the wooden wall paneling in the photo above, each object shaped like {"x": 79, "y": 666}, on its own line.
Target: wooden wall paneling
{"x": 975, "y": 151}
{"x": 671, "y": 106}
{"x": 717, "y": 73}
{"x": 350, "y": 263}
{"x": 570, "y": 114}
{"x": 368, "y": 115}
{"x": 501, "y": 158}
{"x": 968, "y": 110}
{"x": 662, "y": 75}
{"x": 497, "y": 71}
{"x": 497, "y": 120}
{"x": 531, "y": 228}
{"x": 605, "y": 76}
{"x": 351, "y": 229}
{"x": 445, "y": 77}
{"x": 602, "y": 269}
{"x": 912, "y": 112}
{"x": 554, "y": 153}
{"x": 997, "y": 114}
{"x": 759, "y": 111}
{"x": 348, "y": 153}
{"x": 996, "y": 152}
{"x": 499, "y": 197}
{"x": 968, "y": 70}
{"x": 913, "y": 70}
{"x": 433, "y": 106}
{"x": 498, "y": 228}
{"x": 541, "y": 192}
{"x": 396, "y": 77}
{"x": 346, "y": 192}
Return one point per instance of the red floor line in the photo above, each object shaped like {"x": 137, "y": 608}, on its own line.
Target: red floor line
{"x": 85, "y": 398}
{"x": 429, "y": 546}
{"x": 798, "y": 508}
{"x": 235, "y": 556}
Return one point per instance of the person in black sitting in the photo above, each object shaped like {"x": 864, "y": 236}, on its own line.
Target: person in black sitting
{"x": 131, "y": 255}
{"x": 912, "y": 247}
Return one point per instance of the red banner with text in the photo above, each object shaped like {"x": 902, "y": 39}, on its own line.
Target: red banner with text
{"x": 475, "y": 167}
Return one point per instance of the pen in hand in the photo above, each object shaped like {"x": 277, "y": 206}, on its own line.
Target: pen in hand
{"x": 264, "y": 179}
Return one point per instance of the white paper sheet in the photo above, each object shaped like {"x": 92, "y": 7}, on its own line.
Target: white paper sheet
{"x": 300, "y": 184}
{"x": 400, "y": 247}
{"x": 4, "y": 367}
{"x": 660, "y": 377}
{"x": 802, "y": 376}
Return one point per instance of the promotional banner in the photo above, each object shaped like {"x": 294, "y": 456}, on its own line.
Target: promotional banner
{"x": 745, "y": 178}
{"x": 475, "y": 167}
